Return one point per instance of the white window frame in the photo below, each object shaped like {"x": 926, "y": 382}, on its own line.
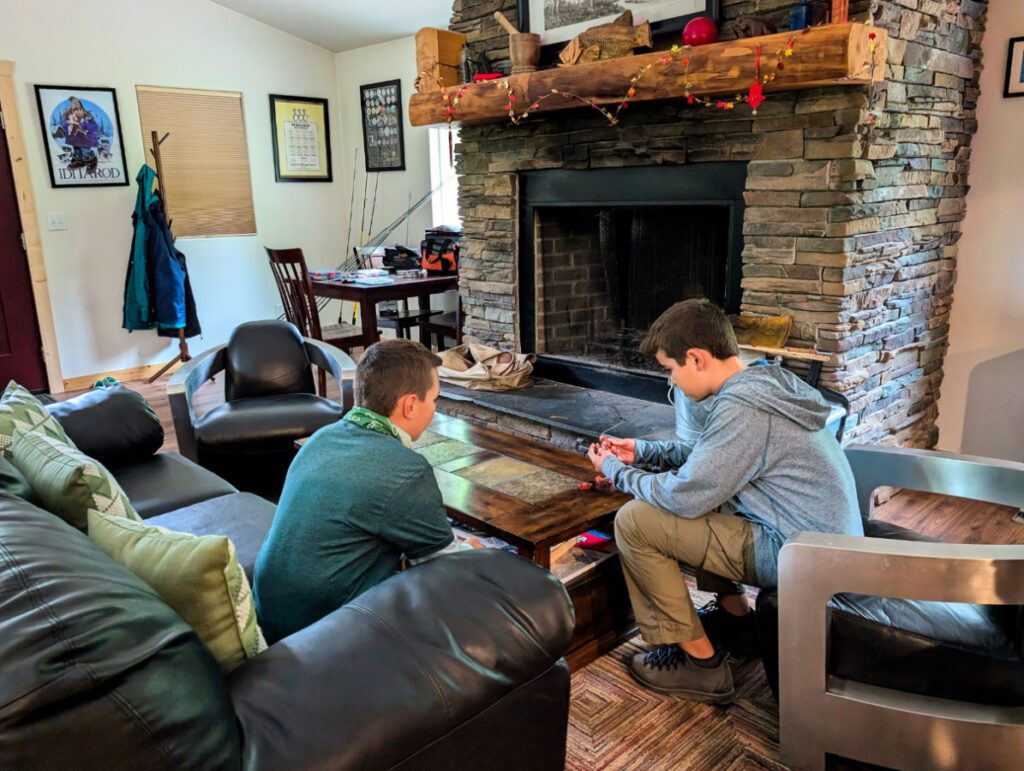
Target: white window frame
{"x": 443, "y": 179}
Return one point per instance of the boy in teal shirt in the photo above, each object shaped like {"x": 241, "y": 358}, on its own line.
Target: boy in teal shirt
{"x": 357, "y": 497}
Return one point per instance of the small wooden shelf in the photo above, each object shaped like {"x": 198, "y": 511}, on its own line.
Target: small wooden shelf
{"x": 830, "y": 55}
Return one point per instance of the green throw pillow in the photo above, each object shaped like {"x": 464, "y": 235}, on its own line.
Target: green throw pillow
{"x": 19, "y": 409}
{"x": 197, "y": 575}
{"x": 68, "y": 482}
{"x": 13, "y": 481}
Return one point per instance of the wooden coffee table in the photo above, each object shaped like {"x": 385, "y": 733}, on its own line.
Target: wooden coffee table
{"x": 525, "y": 494}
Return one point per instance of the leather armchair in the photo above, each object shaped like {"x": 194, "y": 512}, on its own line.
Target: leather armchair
{"x": 269, "y": 401}
{"x": 894, "y": 649}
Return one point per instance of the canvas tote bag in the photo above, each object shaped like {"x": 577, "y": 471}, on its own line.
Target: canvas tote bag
{"x": 472, "y": 365}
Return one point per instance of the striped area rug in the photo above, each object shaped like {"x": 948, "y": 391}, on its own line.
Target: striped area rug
{"x": 614, "y": 723}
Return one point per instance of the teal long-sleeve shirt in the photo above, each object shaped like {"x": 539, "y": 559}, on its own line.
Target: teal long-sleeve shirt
{"x": 354, "y": 502}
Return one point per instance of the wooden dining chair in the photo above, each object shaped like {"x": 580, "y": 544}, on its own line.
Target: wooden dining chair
{"x": 446, "y": 326}
{"x": 300, "y": 304}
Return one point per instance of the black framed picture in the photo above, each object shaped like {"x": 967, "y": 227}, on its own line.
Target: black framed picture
{"x": 1015, "y": 68}
{"x": 301, "y": 130}
{"x": 383, "y": 142}
{"x": 558, "y": 21}
{"x": 82, "y": 136}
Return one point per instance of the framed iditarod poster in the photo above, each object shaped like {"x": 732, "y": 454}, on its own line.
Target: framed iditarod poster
{"x": 82, "y": 136}
{"x": 381, "y": 105}
{"x": 301, "y": 130}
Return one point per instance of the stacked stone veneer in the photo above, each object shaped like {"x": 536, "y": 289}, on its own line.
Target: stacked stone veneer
{"x": 850, "y": 230}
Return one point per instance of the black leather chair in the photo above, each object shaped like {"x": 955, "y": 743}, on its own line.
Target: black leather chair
{"x": 269, "y": 402}
{"x": 894, "y": 649}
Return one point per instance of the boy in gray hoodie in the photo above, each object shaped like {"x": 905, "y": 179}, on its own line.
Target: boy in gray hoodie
{"x": 755, "y": 466}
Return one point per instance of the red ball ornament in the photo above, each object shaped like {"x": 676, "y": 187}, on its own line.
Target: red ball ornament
{"x": 700, "y": 31}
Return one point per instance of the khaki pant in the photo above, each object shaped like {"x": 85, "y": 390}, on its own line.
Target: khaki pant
{"x": 651, "y": 545}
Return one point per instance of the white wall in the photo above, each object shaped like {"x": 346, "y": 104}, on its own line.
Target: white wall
{"x": 187, "y": 43}
{"x": 981, "y": 409}
{"x": 374, "y": 64}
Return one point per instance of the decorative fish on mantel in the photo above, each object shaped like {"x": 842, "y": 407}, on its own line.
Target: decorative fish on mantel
{"x": 607, "y": 41}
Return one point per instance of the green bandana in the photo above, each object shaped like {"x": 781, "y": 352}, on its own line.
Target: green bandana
{"x": 371, "y": 421}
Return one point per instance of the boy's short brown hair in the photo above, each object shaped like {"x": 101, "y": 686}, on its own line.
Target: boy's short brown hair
{"x": 389, "y": 370}
{"x": 691, "y": 324}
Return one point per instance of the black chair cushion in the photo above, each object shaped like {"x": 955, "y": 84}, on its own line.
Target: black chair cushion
{"x": 97, "y": 669}
{"x": 167, "y": 481}
{"x": 265, "y": 358}
{"x": 948, "y": 650}
{"x": 113, "y": 425}
{"x": 242, "y": 517}
{"x": 266, "y": 423}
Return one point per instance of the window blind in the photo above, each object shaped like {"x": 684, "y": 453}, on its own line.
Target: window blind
{"x": 205, "y": 160}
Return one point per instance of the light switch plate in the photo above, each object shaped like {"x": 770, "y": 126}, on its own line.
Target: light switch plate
{"x": 55, "y": 220}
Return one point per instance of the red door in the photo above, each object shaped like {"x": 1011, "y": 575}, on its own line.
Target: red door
{"x": 21, "y": 347}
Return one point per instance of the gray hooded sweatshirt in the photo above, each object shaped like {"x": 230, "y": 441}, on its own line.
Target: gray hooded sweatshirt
{"x": 758, "y": 447}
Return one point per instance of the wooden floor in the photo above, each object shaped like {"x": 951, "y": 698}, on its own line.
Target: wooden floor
{"x": 616, "y": 724}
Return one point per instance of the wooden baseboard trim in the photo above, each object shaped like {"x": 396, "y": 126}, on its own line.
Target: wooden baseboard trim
{"x": 85, "y": 382}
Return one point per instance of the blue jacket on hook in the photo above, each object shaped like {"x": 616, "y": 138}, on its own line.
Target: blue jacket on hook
{"x": 157, "y": 281}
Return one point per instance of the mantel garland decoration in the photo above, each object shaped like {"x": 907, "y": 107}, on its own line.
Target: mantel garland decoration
{"x": 754, "y": 97}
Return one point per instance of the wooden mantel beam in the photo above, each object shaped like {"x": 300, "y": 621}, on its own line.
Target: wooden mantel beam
{"x": 830, "y": 55}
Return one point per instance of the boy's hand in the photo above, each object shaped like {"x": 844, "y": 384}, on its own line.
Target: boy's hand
{"x": 597, "y": 454}
{"x": 623, "y": 449}
{"x": 474, "y": 542}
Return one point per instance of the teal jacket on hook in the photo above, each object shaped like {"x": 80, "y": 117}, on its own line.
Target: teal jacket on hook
{"x": 137, "y": 310}
{"x": 156, "y": 283}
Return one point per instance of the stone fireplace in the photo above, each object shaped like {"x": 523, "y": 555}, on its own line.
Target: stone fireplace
{"x": 848, "y": 226}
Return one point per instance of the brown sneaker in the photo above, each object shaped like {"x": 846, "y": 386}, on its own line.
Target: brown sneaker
{"x": 667, "y": 669}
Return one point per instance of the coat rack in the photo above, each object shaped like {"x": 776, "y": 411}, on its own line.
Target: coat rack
{"x": 183, "y": 354}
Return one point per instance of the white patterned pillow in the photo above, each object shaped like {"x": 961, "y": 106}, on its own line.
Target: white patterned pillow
{"x": 67, "y": 481}
{"x": 19, "y": 409}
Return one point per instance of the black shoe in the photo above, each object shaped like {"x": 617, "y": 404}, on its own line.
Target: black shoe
{"x": 736, "y": 634}
{"x": 667, "y": 669}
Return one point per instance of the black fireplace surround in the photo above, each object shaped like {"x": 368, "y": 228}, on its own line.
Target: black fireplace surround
{"x": 646, "y": 220}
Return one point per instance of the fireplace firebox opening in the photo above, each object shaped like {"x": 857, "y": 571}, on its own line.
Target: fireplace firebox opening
{"x": 604, "y": 252}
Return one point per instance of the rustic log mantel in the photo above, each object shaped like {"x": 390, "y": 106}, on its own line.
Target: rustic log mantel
{"x": 831, "y": 55}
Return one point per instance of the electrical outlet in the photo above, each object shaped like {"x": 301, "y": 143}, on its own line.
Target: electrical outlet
{"x": 278, "y": 310}
{"x": 55, "y": 221}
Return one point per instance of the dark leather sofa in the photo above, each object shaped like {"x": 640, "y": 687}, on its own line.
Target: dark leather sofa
{"x": 455, "y": 663}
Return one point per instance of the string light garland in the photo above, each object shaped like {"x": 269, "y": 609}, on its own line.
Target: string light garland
{"x": 678, "y": 54}
{"x": 754, "y": 97}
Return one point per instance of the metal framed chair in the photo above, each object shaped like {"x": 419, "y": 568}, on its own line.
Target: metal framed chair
{"x": 269, "y": 402}
{"x": 874, "y": 685}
